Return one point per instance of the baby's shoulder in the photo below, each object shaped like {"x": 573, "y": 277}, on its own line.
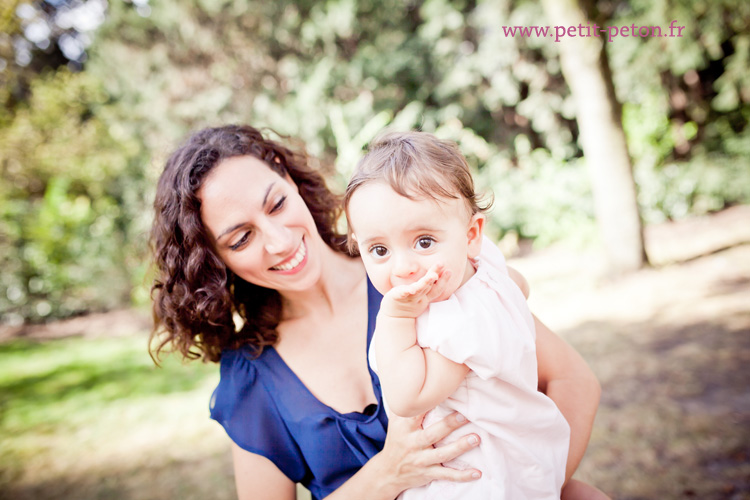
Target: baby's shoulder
{"x": 491, "y": 255}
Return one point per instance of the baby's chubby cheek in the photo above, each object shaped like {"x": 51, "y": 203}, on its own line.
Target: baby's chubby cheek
{"x": 380, "y": 281}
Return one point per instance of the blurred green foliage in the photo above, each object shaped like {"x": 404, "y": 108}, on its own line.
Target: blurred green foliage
{"x": 81, "y": 150}
{"x": 72, "y": 203}
{"x": 65, "y": 401}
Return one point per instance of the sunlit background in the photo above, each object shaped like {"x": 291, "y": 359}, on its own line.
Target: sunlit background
{"x": 651, "y": 284}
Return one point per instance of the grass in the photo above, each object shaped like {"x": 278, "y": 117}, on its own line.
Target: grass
{"x": 94, "y": 418}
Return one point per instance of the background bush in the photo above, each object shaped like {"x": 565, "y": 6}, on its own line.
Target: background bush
{"x": 93, "y": 103}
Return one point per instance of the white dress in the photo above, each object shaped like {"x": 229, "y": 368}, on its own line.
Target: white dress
{"x": 487, "y": 325}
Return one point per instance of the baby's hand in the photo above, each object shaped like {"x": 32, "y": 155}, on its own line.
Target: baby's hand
{"x": 409, "y": 301}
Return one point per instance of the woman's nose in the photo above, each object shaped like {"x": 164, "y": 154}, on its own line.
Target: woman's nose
{"x": 278, "y": 239}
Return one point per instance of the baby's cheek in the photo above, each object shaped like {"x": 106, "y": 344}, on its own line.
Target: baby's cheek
{"x": 453, "y": 285}
{"x": 381, "y": 283}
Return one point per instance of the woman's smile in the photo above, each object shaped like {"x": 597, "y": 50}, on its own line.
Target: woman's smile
{"x": 294, "y": 263}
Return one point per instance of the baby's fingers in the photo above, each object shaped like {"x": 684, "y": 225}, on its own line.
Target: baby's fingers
{"x": 423, "y": 285}
{"x": 400, "y": 292}
{"x": 440, "y": 287}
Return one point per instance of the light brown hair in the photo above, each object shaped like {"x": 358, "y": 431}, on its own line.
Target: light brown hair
{"x": 415, "y": 165}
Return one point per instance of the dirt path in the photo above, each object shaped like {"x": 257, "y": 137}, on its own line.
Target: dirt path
{"x": 671, "y": 347}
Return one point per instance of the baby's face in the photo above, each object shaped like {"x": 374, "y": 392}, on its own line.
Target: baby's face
{"x": 401, "y": 239}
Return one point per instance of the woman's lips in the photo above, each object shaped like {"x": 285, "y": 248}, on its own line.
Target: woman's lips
{"x": 293, "y": 263}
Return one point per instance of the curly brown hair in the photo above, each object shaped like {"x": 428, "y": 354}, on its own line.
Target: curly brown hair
{"x": 195, "y": 296}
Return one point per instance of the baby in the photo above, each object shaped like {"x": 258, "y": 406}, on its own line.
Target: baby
{"x": 454, "y": 332}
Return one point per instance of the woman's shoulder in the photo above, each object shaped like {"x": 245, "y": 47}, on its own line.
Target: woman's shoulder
{"x": 243, "y": 358}
{"x": 244, "y": 375}
{"x": 238, "y": 373}
{"x": 246, "y": 405}
{"x": 245, "y": 390}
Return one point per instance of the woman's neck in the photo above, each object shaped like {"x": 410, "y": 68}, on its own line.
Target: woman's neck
{"x": 339, "y": 276}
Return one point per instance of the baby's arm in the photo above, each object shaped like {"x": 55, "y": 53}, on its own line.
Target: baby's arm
{"x": 414, "y": 380}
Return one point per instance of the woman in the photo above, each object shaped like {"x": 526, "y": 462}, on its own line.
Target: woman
{"x": 253, "y": 273}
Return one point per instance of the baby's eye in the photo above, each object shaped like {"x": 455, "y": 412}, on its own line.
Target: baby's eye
{"x": 379, "y": 251}
{"x": 425, "y": 242}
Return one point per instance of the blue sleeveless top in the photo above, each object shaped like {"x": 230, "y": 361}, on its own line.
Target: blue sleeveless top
{"x": 266, "y": 409}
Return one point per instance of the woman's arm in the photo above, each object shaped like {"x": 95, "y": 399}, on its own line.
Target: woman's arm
{"x": 520, "y": 281}
{"x": 407, "y": 460}
{"x": 566, "y": 379}
{"x": 257, "y": 478}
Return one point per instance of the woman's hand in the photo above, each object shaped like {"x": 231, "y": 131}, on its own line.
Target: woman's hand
{"x": 409, "y": 460}
{"x": 412, "y": 460}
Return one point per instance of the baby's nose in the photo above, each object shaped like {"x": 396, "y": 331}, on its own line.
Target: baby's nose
{"x": 405, "y": 267}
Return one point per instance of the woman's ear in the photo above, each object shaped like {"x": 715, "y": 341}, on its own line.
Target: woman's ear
{"x": 474, "y": 235}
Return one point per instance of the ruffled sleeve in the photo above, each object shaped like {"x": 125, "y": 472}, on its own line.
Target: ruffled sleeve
{"x": 243, "y": 406}
{"x": 486, "y": 325}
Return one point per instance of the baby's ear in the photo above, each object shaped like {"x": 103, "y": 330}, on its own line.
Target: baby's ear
{"x": 351, "y": 243}
{"x": 474, "y": 235}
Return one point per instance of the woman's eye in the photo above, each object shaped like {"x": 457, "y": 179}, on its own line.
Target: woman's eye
{"x": 425, "y": 243}
{"x": 241, "y": 241}
{"x": 379, "y": 251}
{"x": 279, "y": 204}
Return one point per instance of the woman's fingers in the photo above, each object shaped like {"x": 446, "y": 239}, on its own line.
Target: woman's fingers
{"x": 446, "y": 473}
{"x": 448, "y": 452}
{"x": 410, "y": 448}
{"x": 440, "y": 429}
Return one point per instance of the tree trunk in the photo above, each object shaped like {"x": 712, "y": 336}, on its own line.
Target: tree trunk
{"x": 586, "y": 71}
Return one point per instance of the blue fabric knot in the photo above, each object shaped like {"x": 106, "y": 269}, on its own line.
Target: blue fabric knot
{"x": 362, "y": 437}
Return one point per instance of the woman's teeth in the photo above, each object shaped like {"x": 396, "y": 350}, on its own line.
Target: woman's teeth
{"x": 295, "y": 260}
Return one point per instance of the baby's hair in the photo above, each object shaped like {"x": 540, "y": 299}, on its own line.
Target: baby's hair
{"x": 415, "y": 165}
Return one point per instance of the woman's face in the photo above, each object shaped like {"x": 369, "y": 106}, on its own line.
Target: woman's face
{"x": 260, "y": 226}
